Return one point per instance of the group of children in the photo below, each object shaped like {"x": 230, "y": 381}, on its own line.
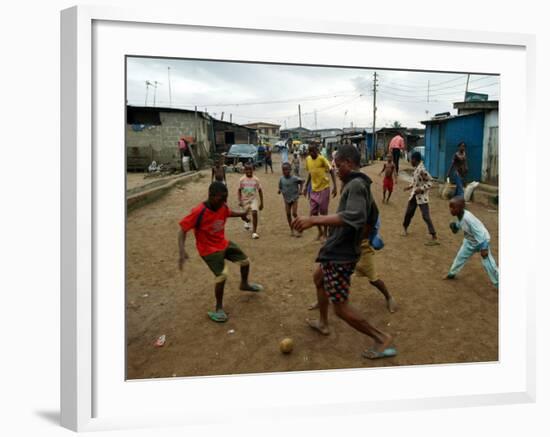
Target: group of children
{"x": 349, "y": 237}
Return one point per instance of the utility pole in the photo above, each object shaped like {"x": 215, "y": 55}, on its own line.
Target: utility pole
{"x": 155, "y": 94}
{"x": 374, "y": 88}
{"x": 147, "y": 84}
{"x": 169, "y": 88}
{"x": 315, "y": 116}
{"x": 230, "y": 118}
{"x": 467, "y": 83}
{"x": 300, "y": 116}
{"x": 221, "y": 118}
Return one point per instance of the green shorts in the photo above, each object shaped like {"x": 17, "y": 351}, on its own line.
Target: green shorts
{"x": 216, "y": 261}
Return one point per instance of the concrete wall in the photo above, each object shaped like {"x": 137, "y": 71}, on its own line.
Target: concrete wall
{"x": 160, "y": 143}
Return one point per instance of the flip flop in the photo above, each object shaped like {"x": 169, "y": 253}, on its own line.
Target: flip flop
{"x": 373, "y": 354}
{"x": 253, "y": 287}
{"x": 218, "y": 316}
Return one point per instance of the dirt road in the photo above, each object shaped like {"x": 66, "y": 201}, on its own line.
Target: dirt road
{"x": 437, "y": 321}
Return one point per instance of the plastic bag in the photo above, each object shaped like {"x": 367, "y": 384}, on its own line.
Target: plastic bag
{"x": 447, "y": 191}
{"x": 469, "y": 190}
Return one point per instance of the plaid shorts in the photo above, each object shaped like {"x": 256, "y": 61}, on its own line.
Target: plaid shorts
{"x": 337, "y": 280}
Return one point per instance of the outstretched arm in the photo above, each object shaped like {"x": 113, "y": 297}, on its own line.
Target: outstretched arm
{"x": 303, "y": 223}
{"x": 260, "y": 191}
{"x": 334, "y": 186}
{"x": 304, "y": 192}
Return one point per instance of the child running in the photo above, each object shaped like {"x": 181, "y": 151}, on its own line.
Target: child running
{"x": 390, "y": 175}
{"x": 420, "y": 187}
{"x": 290, "y": 187}
{"x": 218, "y": 171}
{"x": 476, "y": 239}
{"x": 339, "y": 254}
{"x": 208, "y": 222}
{"x": 249, "y": 192}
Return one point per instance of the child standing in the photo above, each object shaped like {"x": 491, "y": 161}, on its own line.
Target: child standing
{"x": 218, "y": 171}
{"x": 290, "y": 187}
{"x": 420, "y": 187}
{"x": 339, "y": 254}
{"x": 250, "y": 190}
{"x": 208, "y": 222}
{"x": 389, "y": 176}
{"x": 476, "y": 239}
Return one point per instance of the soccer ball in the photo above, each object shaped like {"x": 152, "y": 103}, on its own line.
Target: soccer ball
{"x": 286, "y": 345}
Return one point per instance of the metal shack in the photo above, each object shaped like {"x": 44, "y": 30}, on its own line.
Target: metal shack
{"x": 444, "y": 133}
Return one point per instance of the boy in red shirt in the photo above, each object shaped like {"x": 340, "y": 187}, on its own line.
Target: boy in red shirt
{"x": 208, "y": 222}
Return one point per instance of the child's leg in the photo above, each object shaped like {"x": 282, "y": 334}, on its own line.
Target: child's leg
{"x": 464, "y": 253}
{"x": 409, "y": 213}
{"x": 425, "y": 209}
{"x": 254, "y": 221}
{"x": 289, "y": 217}
{"x": 218, "y": 290}
{"x": 320, "y": 325}
{"x": 384, "y": 195}
{"x": 347, "y": 313}
{"x": 381, "y": 286}
{"x": 491, "y": 267}
{"x": 389, "y": 195}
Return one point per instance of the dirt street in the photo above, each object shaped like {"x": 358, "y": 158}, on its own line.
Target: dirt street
{"x": 437, "y": 321}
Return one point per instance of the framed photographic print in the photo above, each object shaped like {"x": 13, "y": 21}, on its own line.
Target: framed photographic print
{"x": 284, "y": 212}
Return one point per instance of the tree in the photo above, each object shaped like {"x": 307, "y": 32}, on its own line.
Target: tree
{"x": 396, "y": 124}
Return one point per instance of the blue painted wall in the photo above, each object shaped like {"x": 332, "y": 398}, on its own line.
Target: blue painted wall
{"x": 442, "y": 139}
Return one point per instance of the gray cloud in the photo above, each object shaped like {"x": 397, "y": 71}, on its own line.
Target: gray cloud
{"x": 334, "y": 97}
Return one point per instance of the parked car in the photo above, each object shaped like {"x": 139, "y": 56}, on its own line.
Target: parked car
{"x": 242, "y": 153}
{"x": 416, "y": 149}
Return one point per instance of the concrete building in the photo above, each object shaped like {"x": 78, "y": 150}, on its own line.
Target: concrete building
{"x": 227, "y": 133}
{"x": 295, "y": 133}
{"x": 267, "y": 132}
{"x": 152, "y": 134}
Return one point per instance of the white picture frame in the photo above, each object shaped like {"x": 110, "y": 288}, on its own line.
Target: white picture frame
{"x": 86, "y": 378}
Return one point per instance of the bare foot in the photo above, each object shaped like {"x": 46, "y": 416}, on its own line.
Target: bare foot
{"x": 392, "y": 306}
{"x": 404, "y": 233}
{"x": 313, "y": 306}
{"x": 449, "y": 276}
{"x": 317, "y": 326}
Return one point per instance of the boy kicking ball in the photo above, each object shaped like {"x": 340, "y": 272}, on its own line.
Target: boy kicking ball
{"x": 340, "y": 252}
{"x": 476, "y": 239}
{"x": 208, "y": 222}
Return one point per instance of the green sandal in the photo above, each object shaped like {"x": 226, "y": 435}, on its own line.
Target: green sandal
{"x": 218, "y": 316}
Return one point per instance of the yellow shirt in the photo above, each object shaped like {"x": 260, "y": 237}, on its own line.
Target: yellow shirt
{"x": 318, "y": 169}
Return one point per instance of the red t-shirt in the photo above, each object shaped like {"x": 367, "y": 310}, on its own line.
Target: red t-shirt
{"x": 210, "y": 237}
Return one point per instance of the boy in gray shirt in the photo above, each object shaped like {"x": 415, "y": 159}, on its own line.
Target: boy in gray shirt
{"x": 342, "y": 249}
{"x": 290, "y": 187}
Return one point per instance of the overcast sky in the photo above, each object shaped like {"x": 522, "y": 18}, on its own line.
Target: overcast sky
{"x": 330, "y": 97}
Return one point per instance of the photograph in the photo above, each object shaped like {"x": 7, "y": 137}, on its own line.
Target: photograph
{"x": 292, "y": 217}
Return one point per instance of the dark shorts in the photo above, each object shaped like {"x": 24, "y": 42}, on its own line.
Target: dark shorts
{"x": 268, "y": 161}
{"x": 337, "y": 280}
{"x": 216, "y": 261}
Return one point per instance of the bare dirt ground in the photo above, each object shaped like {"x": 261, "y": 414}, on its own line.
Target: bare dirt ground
{"x": 437, "y": 321}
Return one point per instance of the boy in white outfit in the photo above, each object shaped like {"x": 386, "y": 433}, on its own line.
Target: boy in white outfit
{"x": 476, "y": 239}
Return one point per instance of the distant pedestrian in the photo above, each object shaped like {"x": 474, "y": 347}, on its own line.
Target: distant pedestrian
{"x": 390, "y": 175}
{"x": 420, "y": 187}
{"x": 207, "y": 220}
{"x": 476, "y": 239}
{"x": 459, "y": 169}
{"x": 284, "y": 151}
{"x": 290, "y": 187}
{"x": 295, "y": 164}
{"x": 268, "y": 160}
{"x": 396, "y": 146}
{"x": 183, "y": 147}
{"x": 218, "y": 171}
